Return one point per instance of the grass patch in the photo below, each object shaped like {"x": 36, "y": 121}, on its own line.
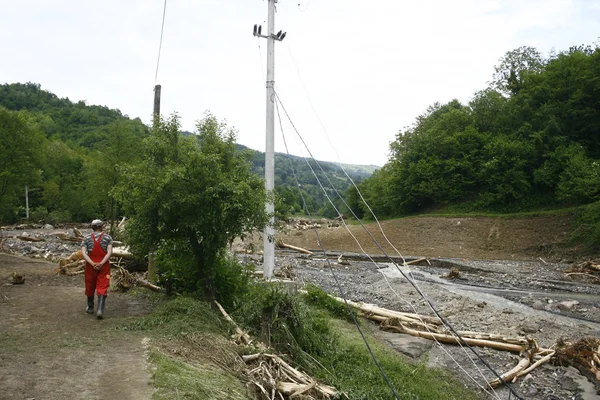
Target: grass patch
{"x": 178, "y": 316}
{"x": 175, "y": 379}
{"x": 350, "y": 369}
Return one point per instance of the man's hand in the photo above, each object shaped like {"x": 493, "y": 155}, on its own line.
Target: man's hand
{"x": 97, "y": 266}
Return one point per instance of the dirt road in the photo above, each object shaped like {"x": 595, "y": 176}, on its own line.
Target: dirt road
{"x": 51, "y": 349}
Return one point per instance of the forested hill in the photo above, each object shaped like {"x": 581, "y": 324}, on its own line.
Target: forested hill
{"x": 69, "y": 155}
{"x": 529, "y": 140}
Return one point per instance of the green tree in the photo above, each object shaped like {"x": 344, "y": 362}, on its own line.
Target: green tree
{"x": 189, "y": 198}
{"x": 20, "y": 149}
{"x": 510, "y": 74}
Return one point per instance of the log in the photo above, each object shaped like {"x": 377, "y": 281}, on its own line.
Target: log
{"x": 243, "y": 335}
{"x": 373, "y": 309}
{"x": 410, "y": 321}
{"x": 512, "y": 374}
{"x": 148, "y": 285}
{"x": 289, "y": 246}
{"x": 515, "y": 348}
{"x": 121, "y": 253}
{"x": 31, "y": 239}
{"x": 416, "y": 261}
{"x": 539, "y": 362}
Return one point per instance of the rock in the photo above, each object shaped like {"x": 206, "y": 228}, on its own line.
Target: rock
{"x": 567, "y": 305}
{"x": 538, "y": 305}
{"x": 47, "y": 226}
{"x": 530, "y": 327}
{"x": 507, "y": 311}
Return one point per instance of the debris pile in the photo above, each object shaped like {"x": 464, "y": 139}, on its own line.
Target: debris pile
{"x": 275, "y": 379}
{"x": 272, "y": 377}
{"x": 585, "y": 271}
{"x": 583, "y": 355}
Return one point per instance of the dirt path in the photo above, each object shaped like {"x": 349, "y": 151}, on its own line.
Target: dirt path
{"x": 51, "y": 349}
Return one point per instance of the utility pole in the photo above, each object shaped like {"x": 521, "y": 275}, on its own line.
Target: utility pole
{"x": 155, "y": 119}
{"x": 269, "y": 232}
{"x": 26, "y": 202}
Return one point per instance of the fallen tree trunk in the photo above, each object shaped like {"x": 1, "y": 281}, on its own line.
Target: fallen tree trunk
{"x": 515, "y": 348}
{"x": 512, "y": 374}
{"x": 289, "y": 246}
{"x": 240, "y": 333}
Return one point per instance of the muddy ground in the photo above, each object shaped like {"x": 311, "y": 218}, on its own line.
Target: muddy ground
{"x": 51, "y": 349}
{"x": 511, "y": 281}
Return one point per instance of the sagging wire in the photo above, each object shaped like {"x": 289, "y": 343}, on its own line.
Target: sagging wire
{"x": 381, "y": 230}
{"x": 494, "y": 394}
{"x": 162, "y": 29}
{"x": 410, "y": 280}
{"x": 337, "y": 283}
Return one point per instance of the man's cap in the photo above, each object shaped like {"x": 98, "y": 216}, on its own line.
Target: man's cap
{"x": 97, "y": 222}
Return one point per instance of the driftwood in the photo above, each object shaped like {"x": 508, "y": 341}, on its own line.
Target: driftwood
{"x": 121, "y": 253}
{"x": 31, "y": 238}
{"x": 515, "y": 348}
{"x": 273, "y": 377}
{"x": 281, "y": 244}
{"x": 240, "y": 334}
{"x": 124, "y": 280}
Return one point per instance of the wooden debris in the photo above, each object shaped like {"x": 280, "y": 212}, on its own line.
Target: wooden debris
{"x": 283, "y": 245}
{"x": 583, "y": 355}
{"x": 274, "y": 377}
{"x": 454, "y": 273}
{"x": 31, "y": 238}
{"x": 285, "y": 271}
{"x": 342, "y": 261}
{"x": 586, "y": 271}
{"x": 76, "y": 256}
{"x": 444, "y": 338}
{"x": 240, "y": 334}
{"x": 124, "y": 280}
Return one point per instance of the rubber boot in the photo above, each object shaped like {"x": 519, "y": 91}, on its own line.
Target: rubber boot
{"x": 101, "y": 302}
{"x": 90, "y": 306}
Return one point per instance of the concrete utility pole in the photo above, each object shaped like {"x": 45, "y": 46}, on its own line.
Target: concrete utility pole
{"x": 268, "y": 235}
{"x": 152, "y": 256}
{"x": 157, "y": 89}
{"x": 26, "y": 202}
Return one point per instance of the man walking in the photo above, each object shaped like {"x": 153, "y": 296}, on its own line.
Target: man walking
{"x": 97, "y": 249}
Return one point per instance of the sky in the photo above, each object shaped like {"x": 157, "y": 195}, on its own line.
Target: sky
{"x": 351, "y": 74}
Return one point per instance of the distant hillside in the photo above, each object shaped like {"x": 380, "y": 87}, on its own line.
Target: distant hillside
{"x": 328, "y": 173}
{"x": 74, "y": 130}
{"x": 56, "y": 117}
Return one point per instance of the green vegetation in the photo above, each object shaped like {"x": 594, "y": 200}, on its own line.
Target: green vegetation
{"x": 68, "y": 155}
{"x": 530, "y": 141}
{"x": 198, "y": 359}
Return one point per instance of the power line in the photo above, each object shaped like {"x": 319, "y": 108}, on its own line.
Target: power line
{"x": 339, "y": 286}
{"x": 162, "y": 28}
{"x": 411, "y": 281}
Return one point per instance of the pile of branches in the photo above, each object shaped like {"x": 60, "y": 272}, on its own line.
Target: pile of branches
{"x": 585, "y": 271}
{"x": 276, "y": 379}
{"x": 124, "y": 280}
{"x": 272, "y": 376}
{"x": 583, "y": 355}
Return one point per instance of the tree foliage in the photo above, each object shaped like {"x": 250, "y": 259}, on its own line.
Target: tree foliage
{"x": 529, "y": 140}
{"x": 190, "y": 197}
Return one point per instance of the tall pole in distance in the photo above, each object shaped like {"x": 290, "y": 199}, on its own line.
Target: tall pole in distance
{"x": 269, "y": 233}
